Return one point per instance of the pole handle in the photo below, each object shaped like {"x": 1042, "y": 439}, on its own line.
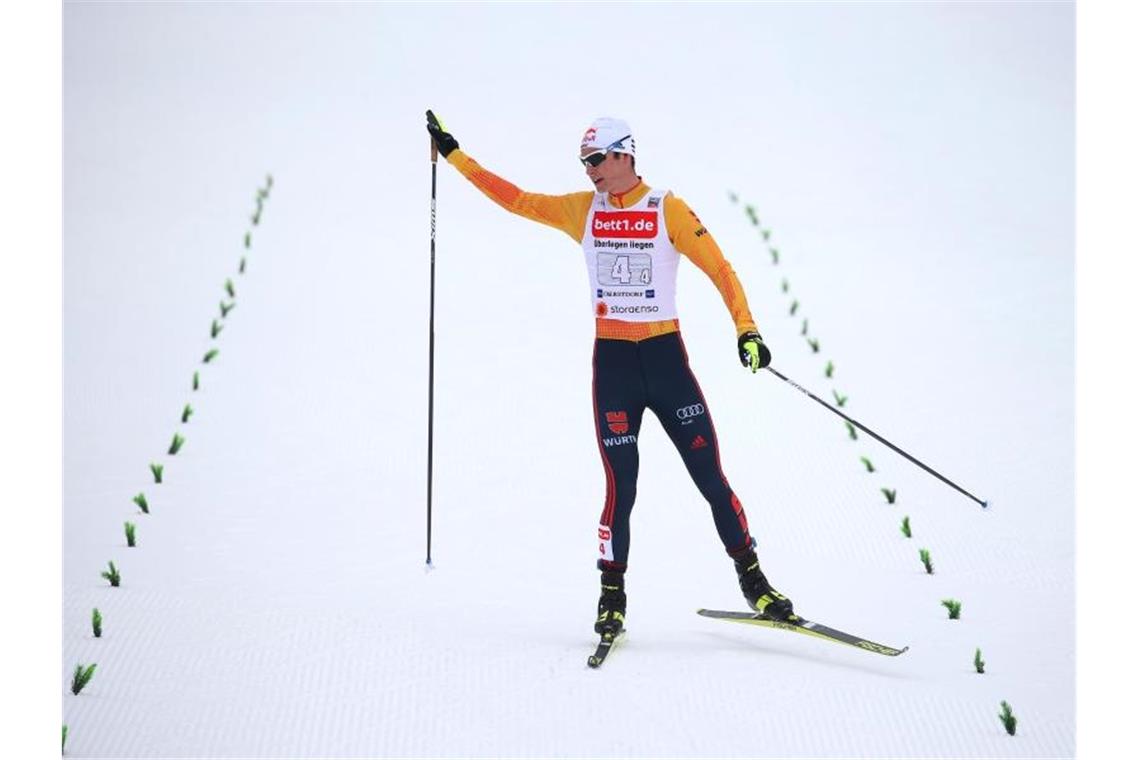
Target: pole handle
{"x": 434, "y": 150}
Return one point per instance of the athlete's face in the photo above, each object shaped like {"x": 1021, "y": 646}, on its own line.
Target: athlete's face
{"x": 614, "y": 174}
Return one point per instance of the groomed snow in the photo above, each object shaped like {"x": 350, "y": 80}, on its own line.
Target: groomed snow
{"x": 915, "y": 167}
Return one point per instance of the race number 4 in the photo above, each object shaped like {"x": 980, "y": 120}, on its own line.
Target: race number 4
{"x": 625, "y": 269}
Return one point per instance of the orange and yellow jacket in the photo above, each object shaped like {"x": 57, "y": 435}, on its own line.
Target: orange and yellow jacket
{"x": 568, "y": 213}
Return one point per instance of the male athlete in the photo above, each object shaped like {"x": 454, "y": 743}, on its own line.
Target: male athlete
{"x": 633, "y": 237}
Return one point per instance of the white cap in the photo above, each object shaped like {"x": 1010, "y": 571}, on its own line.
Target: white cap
{"x": 612, "y": 134}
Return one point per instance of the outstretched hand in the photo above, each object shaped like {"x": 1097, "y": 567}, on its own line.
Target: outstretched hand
{"x": 442, "y": 139}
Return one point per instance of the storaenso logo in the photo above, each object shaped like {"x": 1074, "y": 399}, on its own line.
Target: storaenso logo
{"x": 625, "y": 224}
{"x": 688, "y": 412}
{"x": 633, "y": 309}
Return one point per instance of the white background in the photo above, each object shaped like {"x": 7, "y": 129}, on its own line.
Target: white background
{"x": 915, "y": 165}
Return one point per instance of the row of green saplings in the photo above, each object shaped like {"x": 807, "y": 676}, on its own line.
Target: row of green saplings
{"x": 953, "y": 606}
{"x": 84, "y": 673}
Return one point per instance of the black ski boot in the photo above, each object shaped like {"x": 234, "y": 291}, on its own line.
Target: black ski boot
{"x": 611, "y": 605}
{"x": 759, "y": 593}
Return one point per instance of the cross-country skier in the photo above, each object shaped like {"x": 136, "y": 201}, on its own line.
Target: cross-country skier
{"x": 633, "y": 236}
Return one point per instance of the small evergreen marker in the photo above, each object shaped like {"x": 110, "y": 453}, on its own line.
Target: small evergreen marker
{"x": 194, "y": 385}
{"x": 890, "y": 493}
{"x": 954, "y": 607}
{"x": 867, "y": 463}
{"x": 268, "y": 184}
{"x": 247, "y": 239}
{"x": 215, "y": 328}
{"x": 82, "y": 677}
{"x": 829, "y": 370}
{"x": 751, "y": 211}
{"x": 156, "y": 470}
{"x": 924, "y": 555}
{"x": 1007, "y": 718}
{"x": 176, "y": 444}
{"x": 210, "y": 356}
{"x": 241, "y": 266}
{"x": 129, "y": 528}
{"x": 839, "y": 400}
{"x": 795, "y": 307}
{"x": 784, "y": 285}
{"x": 803, "y": 328}
{"x": 226, "y": 308}
{"x": 140, "y": 500}
{"x": 775, "y": 255}
{"x": 979, "y": 663}
{"x": 767, "y": 234}
{"x": 905, "y": 527}
{"x": 256, "y": 218}
{"x": 851, "y": 431}
{"x": 814, "y": 343}
{"x": 63, "y": 747}
{"x": 111, "y": 575}
{"x": 732, "y": 197}
{"x": 96, "y": 623}
{"x": 186, "y": 412}
{"x": 230, "y": 288}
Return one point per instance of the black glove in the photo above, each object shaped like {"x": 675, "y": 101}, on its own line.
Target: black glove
{"x": 443, "y": 140}
{"x": 753, "y": 352}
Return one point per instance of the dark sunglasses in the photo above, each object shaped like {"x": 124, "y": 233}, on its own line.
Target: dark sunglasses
{"x": 596, "y": 158}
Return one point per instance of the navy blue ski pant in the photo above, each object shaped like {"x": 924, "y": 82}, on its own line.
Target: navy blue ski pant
{"x": 630, "y": 377}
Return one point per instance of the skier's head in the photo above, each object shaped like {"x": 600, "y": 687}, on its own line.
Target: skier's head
{"x": 607, "y": 152}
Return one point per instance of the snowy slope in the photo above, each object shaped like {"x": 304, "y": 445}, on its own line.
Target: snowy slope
{"x": 914, "y": 166}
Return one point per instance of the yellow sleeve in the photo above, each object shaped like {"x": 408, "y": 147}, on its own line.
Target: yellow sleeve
{"x": 691, "y": 238}
{"x": 563, "y": 212}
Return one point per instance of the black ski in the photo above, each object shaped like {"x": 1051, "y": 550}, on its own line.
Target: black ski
{"x": 807, "y": 627}
{"x": 604, "y": 646}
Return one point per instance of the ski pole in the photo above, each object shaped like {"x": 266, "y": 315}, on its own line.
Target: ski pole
{"x": 431, "y": 349}
{"x": 880, "y": 439}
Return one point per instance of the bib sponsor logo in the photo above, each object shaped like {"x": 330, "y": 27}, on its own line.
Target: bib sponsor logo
{"x": 618, "y": 422}
{"x": 625, "y": 224}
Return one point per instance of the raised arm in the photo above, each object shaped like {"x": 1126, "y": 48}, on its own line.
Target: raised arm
{"x": 563, "y": 212}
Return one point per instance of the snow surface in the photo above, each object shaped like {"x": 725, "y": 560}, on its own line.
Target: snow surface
{"x": 915, "y": 166}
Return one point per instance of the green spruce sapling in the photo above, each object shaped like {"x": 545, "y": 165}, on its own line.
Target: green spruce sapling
{"x": 924, "y": 555}
{"x": 839, "y": 400}
{"x": 247, "y": 239}
{"x": 241, "y": 266}
{"x": 82, "y": 677}
{"x": 175, "y": 444}
{"x": 953, "y": 607}
{"x": 767, "y": 234}
{"x": 867, "y": 463}
{"x": 775, "y": 255}
{"x": 210, "y": 356}
{"x": 795, "y": 307}
{"x": 905, "y": 527}
{"x": 96, "y": 623}
{"x": 226, "y": 308}
{"x": 804, "y": 328}
{"x": 215, "y": 328}
{"x": 156, "y": 471}
{"x": 784, "y": 285}
{"x": 186, "y": 412}
{"x": 814, "y": 343}
{"x": 230, "y": 288}
{"x": 979, "y": 663}
{"x": 1007, "y": 718}
{"x": 829, "y": 370}
{"x": 194, "y": 385}
{"x": 111, "y": 575}
{"x": 851, "y": 431}
{"x": 140, "y": 500}
{"x": 63, "y": 747}
{"x": 890, "y": 493}
{"x": 129, "y": 528}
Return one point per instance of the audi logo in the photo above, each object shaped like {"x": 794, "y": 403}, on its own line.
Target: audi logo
{"x": 687, "y": 412}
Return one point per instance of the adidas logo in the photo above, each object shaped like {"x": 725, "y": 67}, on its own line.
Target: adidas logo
{"x": 698, "y": 443}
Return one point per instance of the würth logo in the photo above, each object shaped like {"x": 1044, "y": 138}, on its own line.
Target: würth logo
{"x": 698, "y": 443}
{"x": 625, "y": 224}
{"x": 618, "y": 422}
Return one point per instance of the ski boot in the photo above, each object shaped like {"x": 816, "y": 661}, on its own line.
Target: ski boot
{"x": 759, "y": 593}
{"x": 611, "y": 605}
